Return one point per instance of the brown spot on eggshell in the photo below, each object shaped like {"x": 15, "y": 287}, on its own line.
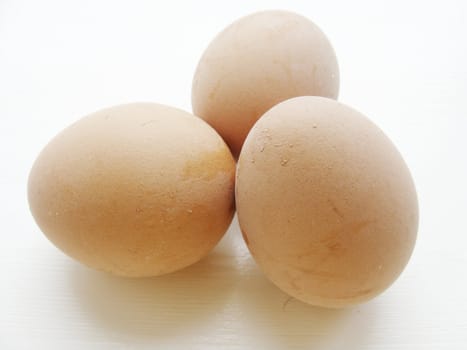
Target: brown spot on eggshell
{"x": 208, "y": 165}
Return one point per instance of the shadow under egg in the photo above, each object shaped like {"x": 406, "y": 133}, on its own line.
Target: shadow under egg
{"x": 162, "y": 306}
{"x": 284, "y": 322}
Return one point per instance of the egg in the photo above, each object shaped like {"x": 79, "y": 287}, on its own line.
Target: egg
{"x": 135, "y": 190}
{"x": 257, "y": 62}
{"x": 325, "y": 202}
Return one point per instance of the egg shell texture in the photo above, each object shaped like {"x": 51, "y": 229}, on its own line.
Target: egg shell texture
{"x": 137, "y": 190}
{"x": 325, "y": 201}
{"x": 257, "y": 62}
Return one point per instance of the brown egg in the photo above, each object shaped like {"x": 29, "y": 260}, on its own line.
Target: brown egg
{"x": 325, "y": 202}
{"x": 257, "y": 62}
{"x": 136, "y": 190}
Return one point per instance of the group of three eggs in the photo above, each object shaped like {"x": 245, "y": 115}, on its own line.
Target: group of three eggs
{"x": 325, "y": 202}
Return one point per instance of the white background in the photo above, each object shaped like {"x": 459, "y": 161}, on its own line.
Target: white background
{"x": 403, "y": 63}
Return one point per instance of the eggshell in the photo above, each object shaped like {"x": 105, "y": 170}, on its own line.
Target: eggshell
{"x": 257, "y": 62}
{"x": 325, "y": 202}
{"x": 136, "y": 190}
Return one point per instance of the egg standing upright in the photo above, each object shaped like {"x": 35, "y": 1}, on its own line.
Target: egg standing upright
{"x": 257, "y": 62}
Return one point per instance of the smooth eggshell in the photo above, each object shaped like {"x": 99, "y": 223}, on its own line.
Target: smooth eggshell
{"x": 136, "y": 190}
{"x": 257, "y": 62}
{"x": 326, "y": 203}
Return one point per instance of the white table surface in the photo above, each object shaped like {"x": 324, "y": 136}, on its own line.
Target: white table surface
{"x": 403, "y": 63}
